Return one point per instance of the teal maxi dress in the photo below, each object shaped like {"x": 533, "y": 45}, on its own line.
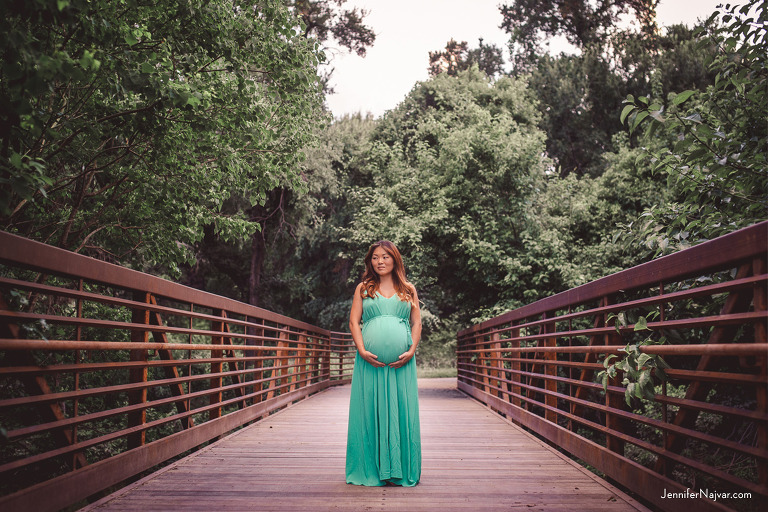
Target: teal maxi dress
{"x": 383, "y": 435}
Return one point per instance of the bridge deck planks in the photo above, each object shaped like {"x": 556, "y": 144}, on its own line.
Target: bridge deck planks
{"x": 294, "y": 461}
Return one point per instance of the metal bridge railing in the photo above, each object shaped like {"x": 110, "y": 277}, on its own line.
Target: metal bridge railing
{"x": 106, "y": 372}
{"x": 706, "y": 428}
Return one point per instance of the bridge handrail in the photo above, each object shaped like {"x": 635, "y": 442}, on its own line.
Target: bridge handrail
{"x": 538, "y": 365}
{"x": 106, "y": 372}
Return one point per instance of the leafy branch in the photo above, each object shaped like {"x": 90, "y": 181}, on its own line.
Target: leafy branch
{"x": 639, "y": 368}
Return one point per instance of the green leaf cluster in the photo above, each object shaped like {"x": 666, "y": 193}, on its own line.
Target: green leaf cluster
{"x": 127, "y": 125}
{"x": 640, "y": 370}
{"x": 715, "y": 142}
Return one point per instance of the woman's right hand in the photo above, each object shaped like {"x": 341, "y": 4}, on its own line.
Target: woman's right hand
{"x": 371, "y": 358}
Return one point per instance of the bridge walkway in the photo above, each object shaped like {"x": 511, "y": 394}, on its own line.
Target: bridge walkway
{"x": 473, "y": 459}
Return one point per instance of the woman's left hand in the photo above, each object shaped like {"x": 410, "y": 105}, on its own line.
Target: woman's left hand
{"x": 402, "y": 359}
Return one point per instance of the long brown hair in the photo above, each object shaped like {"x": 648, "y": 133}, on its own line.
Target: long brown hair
{"x": 371, "y": 280}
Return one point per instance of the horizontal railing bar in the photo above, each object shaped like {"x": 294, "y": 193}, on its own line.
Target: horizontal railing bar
{"x": 669, "y": 427}
{"x": 154, "y": 308}
{"x": 129, "y": 326}
{"x": 690, "y": 375}
{"x": 617, "y": 390}
{"x": 733, "y": 349}
{"x": 93, "y": 367}
{"x": 41, "y": 257}
{"x": 685, "y": 323}
{"x": 649, "y": 447}
{"x": 86, "y": 418}
{"x": 653, "y": 300}
{"x": 89, "y": 443}
{"x": 121, "y": 388}
{"x": 728, "y": 250}
{"x": 55, "y": 345}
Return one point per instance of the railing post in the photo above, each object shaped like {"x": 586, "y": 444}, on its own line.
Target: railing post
{"x": 760, "y": 303}
{"x": 613, "y": 400}
{"x": 302, "y": 352}
{"x": 341, "y": 362}
{"x": 550, "y": 370}
{"x": 216, "y": 365}
{"x": 325, "y": 360}
{"x": 76, "y": 403}
{"x": 515, "y": 367}
{"x": 138, "y": 375}
{"x": 485, "y": 364}
{"x": 500, "y": 374}
{"x": 258, "y": 364}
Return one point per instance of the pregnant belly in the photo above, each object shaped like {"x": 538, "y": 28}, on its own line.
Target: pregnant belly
{"x": 387, "y": 337}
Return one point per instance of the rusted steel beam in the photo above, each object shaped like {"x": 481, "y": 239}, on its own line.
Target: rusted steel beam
{"x": 16, "y": 344}
{"x": 171, "y": 372}
{"x": 619, "y": 390}
{"x": 550, "y": 384}
{"x": 298, "y": 371}
{"x": 659, "y": 451}
{"x": 587, "y": 373}
{"x": 68, "y": 422}
{"x": 630, "y": 474}
{"x": 234, "y": 370}
{"x": 727, "y": 348}
{"x": 686, "y": 323}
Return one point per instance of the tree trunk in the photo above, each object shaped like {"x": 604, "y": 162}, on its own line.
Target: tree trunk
{"x": 258, "y": 248}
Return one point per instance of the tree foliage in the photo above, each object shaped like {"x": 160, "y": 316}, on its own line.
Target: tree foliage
{"x": 448, "y": 177}
{"x": 459, "y": 57}
{"x": 126, "y": 125}
{"x": 584, "y": 23}
{"x": 715, "y": 159}
{"x": 326, "y": 20}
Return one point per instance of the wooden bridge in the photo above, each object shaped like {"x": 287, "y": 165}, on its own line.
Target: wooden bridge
{"x": 294, "y": 460}
{"x": 130, "y": 392}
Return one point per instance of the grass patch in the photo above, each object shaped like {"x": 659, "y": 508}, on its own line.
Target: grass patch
{"x": 435, "y": 373}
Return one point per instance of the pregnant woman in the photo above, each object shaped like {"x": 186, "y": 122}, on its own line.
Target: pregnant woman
{"x": 383, "y": 436}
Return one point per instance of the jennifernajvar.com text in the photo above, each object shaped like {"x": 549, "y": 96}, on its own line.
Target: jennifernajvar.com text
{"x": 705, "y": 493}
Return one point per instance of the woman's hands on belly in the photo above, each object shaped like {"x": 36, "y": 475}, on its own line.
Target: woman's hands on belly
{"x": 390, "y": 346}
{"x": 371, "y": 359}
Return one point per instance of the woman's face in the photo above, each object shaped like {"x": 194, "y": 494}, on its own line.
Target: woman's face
{"x": 382, "y": 262}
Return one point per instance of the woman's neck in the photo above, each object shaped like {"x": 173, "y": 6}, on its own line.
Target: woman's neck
{"x": 386, "y": 282}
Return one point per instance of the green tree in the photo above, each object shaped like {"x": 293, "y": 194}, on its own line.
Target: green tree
{"x": 453, "y": 170}
{"x": 328, "y": 23}
{"x": 584, "y": 23}
{"x": 324, "y": 22}
{"x": 580, "y": 94}
{"x": 252, "y": 268}
{"x": 126, "y": 126}
{"x": 459, "y": 57}
{"x": 714, "y": 142}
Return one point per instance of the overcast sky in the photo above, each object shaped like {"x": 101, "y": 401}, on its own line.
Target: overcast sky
{"x": 407, "y": 30}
